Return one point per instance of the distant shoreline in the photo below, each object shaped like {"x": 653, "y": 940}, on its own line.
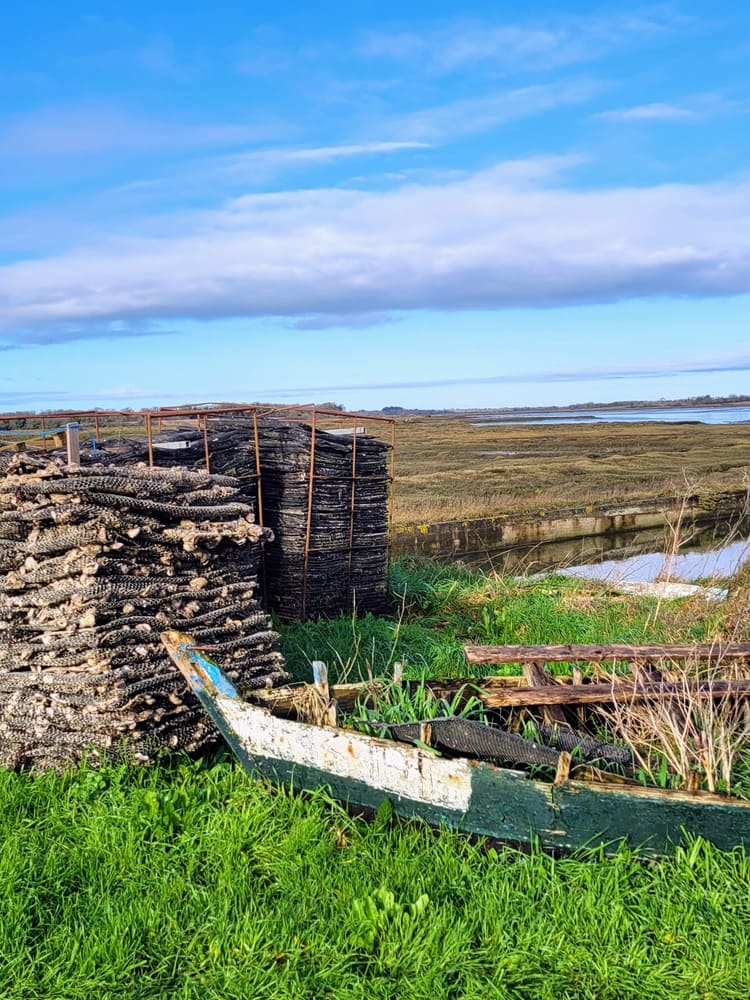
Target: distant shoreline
{"x": 700, "y": 402}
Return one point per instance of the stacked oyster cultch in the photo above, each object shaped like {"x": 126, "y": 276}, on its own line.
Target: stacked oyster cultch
{"x": 330, "y": 549}
{"x": 94, "y": 564}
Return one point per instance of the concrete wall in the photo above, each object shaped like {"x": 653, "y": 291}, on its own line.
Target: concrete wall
{"x": 443, "y": 539}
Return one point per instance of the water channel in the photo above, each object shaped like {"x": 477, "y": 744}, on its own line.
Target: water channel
{"x": 709, "y": 552}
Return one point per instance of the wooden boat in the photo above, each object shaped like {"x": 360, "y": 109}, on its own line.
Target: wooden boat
{"x": 464, "y": 794}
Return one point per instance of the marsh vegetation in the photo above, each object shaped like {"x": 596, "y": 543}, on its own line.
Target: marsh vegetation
{"x": 448, "y": 467}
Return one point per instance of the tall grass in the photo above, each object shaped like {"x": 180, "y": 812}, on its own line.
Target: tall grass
{"x": 196, "y": 882}
{"x": 703, "y": 741}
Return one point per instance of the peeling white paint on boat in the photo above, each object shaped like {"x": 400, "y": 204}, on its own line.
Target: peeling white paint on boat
{"x": 393, "y": 768}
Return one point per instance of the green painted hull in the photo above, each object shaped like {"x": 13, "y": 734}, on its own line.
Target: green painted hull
{"x": 508, "y": 805}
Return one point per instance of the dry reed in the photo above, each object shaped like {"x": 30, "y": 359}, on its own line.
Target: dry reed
{"x": 697, "y": 733}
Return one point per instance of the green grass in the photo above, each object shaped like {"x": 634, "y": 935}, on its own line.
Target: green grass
{"x": 197, "y": 882}
{"x": 439, "y": 609}
{"x": 193, "y": 881}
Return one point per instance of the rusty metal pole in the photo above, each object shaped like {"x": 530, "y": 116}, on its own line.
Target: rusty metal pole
{"x": 392, "y": 488}
{"x": 309, "y": 514}
{"x": 352, "y": 596}
{"x": 149, "y": 438}
{"x": 259, "y": 495}
{"x": 206, "y": 450}
{"x": 258, "y": 474}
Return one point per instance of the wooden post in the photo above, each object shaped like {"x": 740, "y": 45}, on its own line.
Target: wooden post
{"x": 563, "y": 767}
{"x": 320, "y": 682}
{"x": 577, "y": 679}
{"x": 425, "y": 733}
{"x": 536, "y": 676}
{"x": 73, "y": 443}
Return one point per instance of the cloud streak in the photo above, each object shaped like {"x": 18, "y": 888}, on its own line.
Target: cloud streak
{"x": 306, "y": 156}
{"x": 93, "y": 128}
{"x": 542, "y": 44}
{"x": 508, "y": 236}
{"x": 666, "y": 369}
{"x": 131, "y": 394}
{"x": 474, "y": 115}
{"x": 655, "y": 112}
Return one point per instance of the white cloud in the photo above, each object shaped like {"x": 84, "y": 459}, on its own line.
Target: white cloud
{"x": 695, "y": 107}
{"x": 538, "y": 45}
{"x": 510, "y": 236}
{"x": 654, "y": 112}
{"x": 46, "y": 228}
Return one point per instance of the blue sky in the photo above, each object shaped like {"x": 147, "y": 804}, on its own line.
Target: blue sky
{"x": 421, "y": 205}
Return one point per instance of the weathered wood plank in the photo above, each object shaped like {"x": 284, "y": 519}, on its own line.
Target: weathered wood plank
{"x": 495, "y": 691}
{"x": 614, "y": 651}
{"x": 592, "y": 694}
{"x": 284, "y": 699}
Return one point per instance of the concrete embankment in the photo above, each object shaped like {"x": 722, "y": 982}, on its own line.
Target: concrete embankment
{"x": 476, "y": 537}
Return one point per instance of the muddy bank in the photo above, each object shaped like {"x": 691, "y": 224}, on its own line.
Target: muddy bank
{"x": 476, "y": 538}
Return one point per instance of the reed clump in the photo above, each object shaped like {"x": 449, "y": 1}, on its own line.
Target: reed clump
{"x": 695, "y": 735}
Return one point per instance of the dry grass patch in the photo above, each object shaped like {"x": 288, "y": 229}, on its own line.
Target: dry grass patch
{"x": 448, "y": 467}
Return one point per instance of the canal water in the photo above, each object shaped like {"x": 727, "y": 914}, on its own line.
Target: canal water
{"x": 713, "y": 563}
{"x": 711, "y": 552}
{"x": 708, "y": 553}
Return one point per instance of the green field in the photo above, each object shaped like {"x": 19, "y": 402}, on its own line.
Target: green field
{"x": 196, "y": 882}
{"x": 190, "y": 880}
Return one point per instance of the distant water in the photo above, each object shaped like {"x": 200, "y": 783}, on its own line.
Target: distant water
{"x": 667, "y": 414}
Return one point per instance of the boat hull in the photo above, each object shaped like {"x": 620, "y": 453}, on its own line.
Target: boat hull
{"x": 462, "y": 794}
